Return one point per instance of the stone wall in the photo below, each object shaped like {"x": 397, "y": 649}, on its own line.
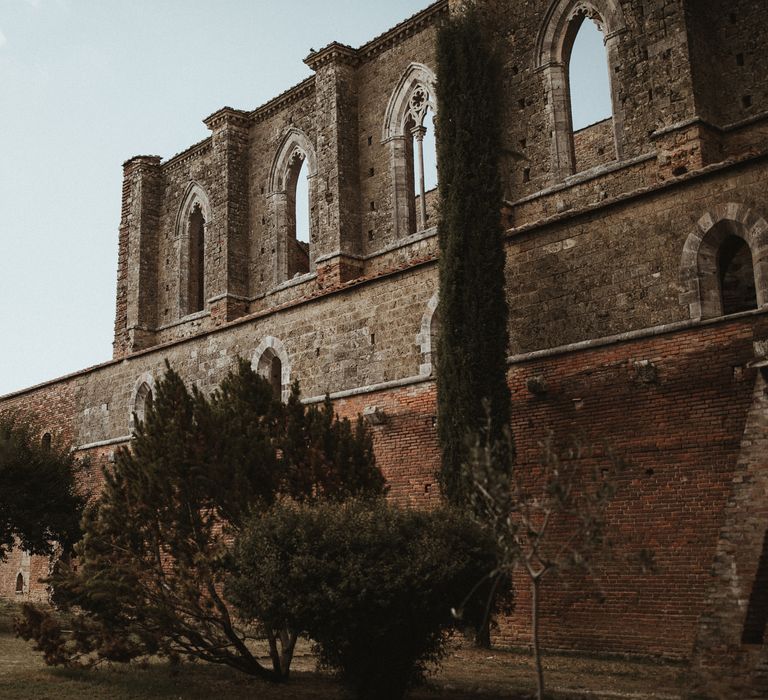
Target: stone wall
{"x": 613, "y": 267}
{"x": 594, "y": 145}
{"x": 726, "y": 40}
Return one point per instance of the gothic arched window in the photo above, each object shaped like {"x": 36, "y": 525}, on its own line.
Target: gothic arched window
{"x": 589, "y": 93}
{"x": 569, "y": 27}
{"x": 409, "y": 131}
{"x": 291, "y": 200}
{"x": 191, "y": 229}
{"x": 142, "y": 399}
{"x": 297, "y": 219}
{"x": 196, "y": 256}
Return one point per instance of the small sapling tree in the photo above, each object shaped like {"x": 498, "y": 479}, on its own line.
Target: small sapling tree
{"x": 547, "y": 520}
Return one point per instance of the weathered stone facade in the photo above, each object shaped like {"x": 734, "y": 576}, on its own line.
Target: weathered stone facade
{"x": 621, "y": 281}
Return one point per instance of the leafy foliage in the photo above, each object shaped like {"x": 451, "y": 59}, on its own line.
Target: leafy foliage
{"x": 370, "y": 583}
{"x": 39, "y": 501}
{"x": 157, "y": 543}
{"x": 471, "y": 357}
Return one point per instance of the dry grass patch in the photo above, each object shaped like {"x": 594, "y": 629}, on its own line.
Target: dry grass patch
{"x": 467, "y": 674}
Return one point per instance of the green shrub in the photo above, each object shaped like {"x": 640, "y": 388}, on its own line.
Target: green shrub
{"x": 156, "y": 542}
{"x": 371, "y": 584}
{"x": 40, "y": 503}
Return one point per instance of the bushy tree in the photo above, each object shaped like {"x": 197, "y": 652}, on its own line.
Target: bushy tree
{"x": 370, "y": 583}
{"x": 157, "y": 542}
{"x": 471, "y": 355}
{"x": 40, "y": 504}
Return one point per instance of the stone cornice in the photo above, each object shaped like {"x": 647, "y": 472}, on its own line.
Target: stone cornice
{"x": 142, "y": 161}
{"x": 227, "y": 116}
{"x": 333, "y": 53}
{"x": 402, "y": 31}
{"x": 193, "y": 151}
{"x": 294, "y": 94}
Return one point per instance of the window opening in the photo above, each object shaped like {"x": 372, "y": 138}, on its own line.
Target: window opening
{"x": 144, "y": 401}
{"x": 588, "y": 77}
{"x": 579, "y": 57}
{"x": 589, "y": 94}
{"x": 737, "y": 275}
{"x": 421, "y": 152}
{"x": 297, "y": 191}
{"x": 434, "y": 338}
{"x": 196, "y": 280}
{"x": 19, "y": 584}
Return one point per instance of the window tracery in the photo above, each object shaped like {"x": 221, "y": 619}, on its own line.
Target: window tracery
{"x": 408, "y": 132}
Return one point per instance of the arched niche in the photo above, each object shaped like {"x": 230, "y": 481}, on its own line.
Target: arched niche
{"x": 727, "y": 234}
{"x": 428, "y": 337}
{"x": 141, "y": 400}
{"x": 270, "y": 360}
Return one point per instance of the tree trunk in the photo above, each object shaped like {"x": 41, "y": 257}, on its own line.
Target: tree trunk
{"x": 535, "y": 637}
{"x": 483, "y": 634}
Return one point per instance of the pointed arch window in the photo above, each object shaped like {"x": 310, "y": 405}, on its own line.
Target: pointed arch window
{"x": 409, "y": 131}
{"x": 196, "y": 256}
{"x": 297, "y": 219}
{"x": 142, "y": 399}
{"x": 577, "y": 47}
{"x": 19, "y": 583}
{"x": 422, "y": 166}
{"x": 292, "y": 197}
{"x": 591, "y": 109}
{"x": 192, "y": 228}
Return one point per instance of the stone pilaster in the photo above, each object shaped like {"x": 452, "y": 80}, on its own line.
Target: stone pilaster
{"x": 338, "y": 242}
{"x": 136, "y": 311}
{"x": 227, "y": 240}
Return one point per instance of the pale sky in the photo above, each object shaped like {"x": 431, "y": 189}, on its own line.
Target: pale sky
{"x": 85, "y": 85}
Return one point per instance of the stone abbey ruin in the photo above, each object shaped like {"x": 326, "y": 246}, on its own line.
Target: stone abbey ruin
{"x": 637, "y": 284}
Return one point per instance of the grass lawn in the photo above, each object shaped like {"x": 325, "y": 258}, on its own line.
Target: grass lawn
{"x": 468, "y": 674}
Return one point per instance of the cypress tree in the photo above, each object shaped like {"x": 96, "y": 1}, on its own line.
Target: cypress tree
{"x": 472, "y": 391}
